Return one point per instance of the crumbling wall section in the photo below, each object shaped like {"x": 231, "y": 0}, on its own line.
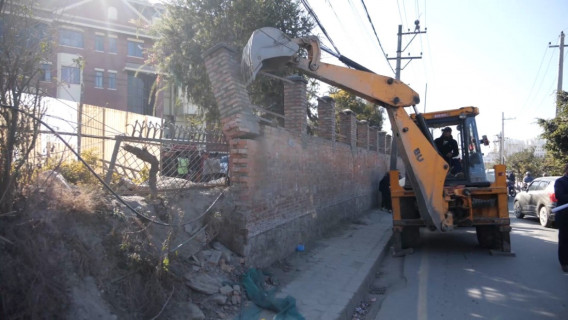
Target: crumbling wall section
{"x": 287, "y": 187}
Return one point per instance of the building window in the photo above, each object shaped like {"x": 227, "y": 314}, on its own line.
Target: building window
{"x": 112, "y": 80}
{"x": 112, "y": 13}
{"x": 135, "y": 94}
{"x": 112, "y": 47}
{"x": 135, "y": 49}
{"x": 71, "y": 38}
{"x": 71, "y": 75}
{"x": 46, "y": 72}
{"x": 99, "y": 43}
{"x": 98, "y": 79}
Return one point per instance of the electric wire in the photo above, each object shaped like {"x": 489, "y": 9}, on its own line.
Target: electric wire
{"x": 118, "y": 197}
{"x": 345, "y": 31}
{"x": 535, "y": 79}
{"x": 376, "y": 35}
{"x": 90, "y": 118}
{"x": 318, "y": 22}
{"x": 545, "y": 73}
{"x": 405, "y": 16}
{"x": 363, "y": 29}
{"x": 399, "y": 12}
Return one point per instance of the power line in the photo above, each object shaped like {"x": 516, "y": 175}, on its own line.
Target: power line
{"x": 399, "y": 12}
{"x": 535, "y": 79}
{"x": 405, "y": 17}
{"x": 313, "y": 14}
{"x": 545, "y": 72}
{"x": 376, "y": 35}
{"x": 86, "y": 165}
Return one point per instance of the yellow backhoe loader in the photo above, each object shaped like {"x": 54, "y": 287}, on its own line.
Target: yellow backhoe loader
{"x": 439, "y": 193}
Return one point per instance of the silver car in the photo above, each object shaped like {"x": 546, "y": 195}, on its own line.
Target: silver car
{"x": 538, "y": 200}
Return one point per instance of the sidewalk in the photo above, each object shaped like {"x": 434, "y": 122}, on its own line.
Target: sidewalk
{"x": 330, "y": 279}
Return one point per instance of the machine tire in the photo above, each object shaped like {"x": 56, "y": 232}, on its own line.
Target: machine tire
{"x": 544, "y": 217}
{"x": 518, "y": 210}
{"x": 489, "y": 237}
{"x": 410, "y": 237}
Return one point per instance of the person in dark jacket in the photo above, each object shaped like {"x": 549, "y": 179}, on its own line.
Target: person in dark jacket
{"x": 447, "y": 146}
{"x": 561, "y": 218}
{"x": 384, "y": 188}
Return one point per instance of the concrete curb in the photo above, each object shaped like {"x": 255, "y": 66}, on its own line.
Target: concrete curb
{"x": 334, "y": 278}
{"x": 363, "y": 291}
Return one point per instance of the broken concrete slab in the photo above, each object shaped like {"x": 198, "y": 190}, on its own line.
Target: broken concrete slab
{"x": 203, "y": 282}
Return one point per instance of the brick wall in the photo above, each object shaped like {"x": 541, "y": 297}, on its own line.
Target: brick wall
{"x": 287, "y": 187}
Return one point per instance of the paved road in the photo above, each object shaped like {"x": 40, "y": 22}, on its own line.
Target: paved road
{"x": 450, "y": 277}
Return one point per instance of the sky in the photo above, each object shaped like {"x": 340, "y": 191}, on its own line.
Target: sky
{"x": 492, "y": 54}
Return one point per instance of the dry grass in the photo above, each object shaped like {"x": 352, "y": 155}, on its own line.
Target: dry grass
{"x": 83, "y": 200}
{"x": 62, "y": 234}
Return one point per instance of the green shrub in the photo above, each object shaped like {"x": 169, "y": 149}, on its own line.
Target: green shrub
{"x": 76, "y": 172}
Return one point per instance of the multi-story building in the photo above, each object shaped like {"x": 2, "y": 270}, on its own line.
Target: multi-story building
{"x": 100, "y": 55}
{"x": 513, "y": 146}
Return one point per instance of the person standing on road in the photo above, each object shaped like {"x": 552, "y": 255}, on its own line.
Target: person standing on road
{"x": 384, "y": 188}
{"x": 561, "y": 218}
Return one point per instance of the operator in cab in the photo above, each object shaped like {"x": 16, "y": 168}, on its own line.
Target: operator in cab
{"x": 447, "y": 146}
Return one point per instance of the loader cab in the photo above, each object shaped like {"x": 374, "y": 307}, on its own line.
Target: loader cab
{"x": 467, "y": 168}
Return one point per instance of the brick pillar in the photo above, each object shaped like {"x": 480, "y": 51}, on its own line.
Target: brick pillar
{"x": 326, "y": 118}
{"x": 363, "y": 134}
{"x": 373, "y": 138}
{"x": 348, "y": 127}
{"x": 388, "y": 144}
{"x": 382, "y": 144}
{"x": 230, "y": 92}
{"x": 295, "y": 105}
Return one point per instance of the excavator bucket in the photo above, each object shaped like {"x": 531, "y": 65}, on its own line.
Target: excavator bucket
{"x": 266, "y": 43}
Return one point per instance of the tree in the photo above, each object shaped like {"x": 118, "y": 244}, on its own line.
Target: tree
{"x": 523, "y": 161}
{"x": 190, "y": 27}
{"x": 362, "y": 108}
{"x": 556, "y": 135}
{"x": 24, "y": 44}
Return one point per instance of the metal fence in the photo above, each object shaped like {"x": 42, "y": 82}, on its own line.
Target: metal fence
{"x": 167, "y": 157}
{"x": 132, "y": 149}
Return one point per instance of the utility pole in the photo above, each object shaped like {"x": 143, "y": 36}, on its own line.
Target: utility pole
{"x": 560, "y": 68}
{"x": 502, "y": 144}
{"x": 399, "y": 58}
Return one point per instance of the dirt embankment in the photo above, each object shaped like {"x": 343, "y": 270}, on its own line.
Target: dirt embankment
{"x": 70, "y": 253}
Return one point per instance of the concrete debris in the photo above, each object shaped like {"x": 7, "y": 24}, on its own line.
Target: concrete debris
{"x": 54, "y": 179}
{"x": 226, "y": 253}
{"x": 203, "y": 283}
{"x": 195, "y": 312}
{"x": 219, "y": 299}
{"x": 225, "y": 267}
{"x": 211, "y": 256}
{"x": 226, "y": 290}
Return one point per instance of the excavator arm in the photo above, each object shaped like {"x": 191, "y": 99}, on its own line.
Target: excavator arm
{"x": 270, "y": 49}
